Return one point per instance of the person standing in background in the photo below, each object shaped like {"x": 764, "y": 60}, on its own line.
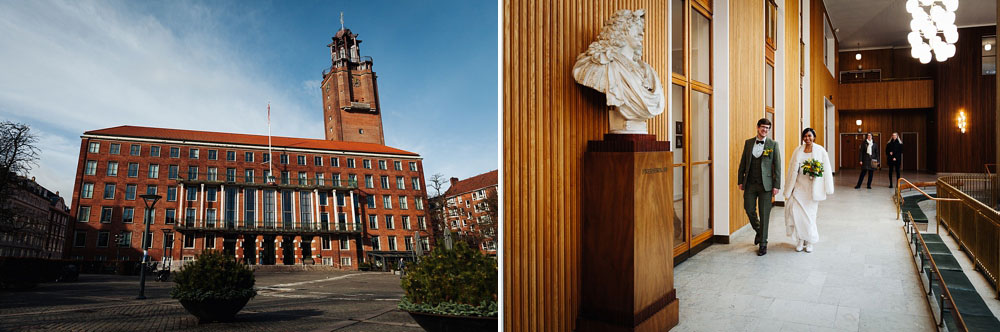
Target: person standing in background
{"x": 869, "y": 160}
{"x": 894, "y": 155}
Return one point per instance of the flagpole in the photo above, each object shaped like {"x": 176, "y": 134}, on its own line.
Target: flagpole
{"x": 270, "y": 171}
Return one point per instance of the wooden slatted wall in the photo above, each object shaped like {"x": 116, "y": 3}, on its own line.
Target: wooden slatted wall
{"x": 793, "y": 106}
{"x": 886, "y": 95}
{"x": 547, "y": 121}
{"x": 746, "y": 91}
{"x": 961, "y": 86}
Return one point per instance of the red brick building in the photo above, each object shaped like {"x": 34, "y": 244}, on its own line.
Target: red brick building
{"x": 40, "y": 221}
{"x": 338, "y": 201}
{"x": 350, "y": 93}
{"x": 468, "y": 210}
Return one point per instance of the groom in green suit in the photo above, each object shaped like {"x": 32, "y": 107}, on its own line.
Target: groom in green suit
{"x": 759, "y": 179}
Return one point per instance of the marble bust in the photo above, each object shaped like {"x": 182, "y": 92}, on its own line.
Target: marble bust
{"x": 613, "y": 65}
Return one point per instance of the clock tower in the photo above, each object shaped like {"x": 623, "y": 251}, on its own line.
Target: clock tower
{"x": 351, "y": 109}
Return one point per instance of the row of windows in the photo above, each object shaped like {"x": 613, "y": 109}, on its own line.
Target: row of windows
{"x": 248, "y": 156}
{"x": 390, "y": 222}
{"x": 173, "y": 173}
{"x": 211, "y": 195}
{"x": 127, "y": 215}
{"x": 407, "y": 243}
{"x": 210, "y": 241}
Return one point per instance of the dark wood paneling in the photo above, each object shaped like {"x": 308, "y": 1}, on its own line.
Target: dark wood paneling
{"x": 894, "y": 63}
{"x": 887, "y": 95}
{"x": 962, "y": 87}
{"x": 887, "y": 122}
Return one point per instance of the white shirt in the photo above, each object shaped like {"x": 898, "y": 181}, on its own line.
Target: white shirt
{"x": 758, "y": 149}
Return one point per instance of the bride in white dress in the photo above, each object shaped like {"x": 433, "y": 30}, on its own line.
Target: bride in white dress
{"x": 803, "y": 193}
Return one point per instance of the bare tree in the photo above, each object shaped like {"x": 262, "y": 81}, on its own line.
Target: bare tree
{"x": 493, "y": 211}
{"x": 437, "y": 181}
{"x": 18, "y": 154}
{"x": 437, "y": 208}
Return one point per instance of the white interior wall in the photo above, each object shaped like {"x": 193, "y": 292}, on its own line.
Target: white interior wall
{"x": 720, "y": 114}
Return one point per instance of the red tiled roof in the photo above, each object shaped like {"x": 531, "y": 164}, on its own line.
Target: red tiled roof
{"x": 260, "y": 140}
{"x": 477, "y": 182}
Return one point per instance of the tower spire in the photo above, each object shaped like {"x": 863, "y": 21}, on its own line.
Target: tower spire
{"x": 341, "y": 20}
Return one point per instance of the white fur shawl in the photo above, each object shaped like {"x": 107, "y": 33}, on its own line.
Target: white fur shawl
{"x": 821, "y": 186}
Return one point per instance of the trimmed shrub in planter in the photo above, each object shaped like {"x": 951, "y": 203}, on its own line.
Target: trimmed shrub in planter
{"x": 214, "y": 287}
{"x": 452, "y": 290}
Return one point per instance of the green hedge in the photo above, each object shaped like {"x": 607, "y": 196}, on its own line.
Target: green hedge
{"x": 461, "y": 281}
{"x": 214, "y": 275}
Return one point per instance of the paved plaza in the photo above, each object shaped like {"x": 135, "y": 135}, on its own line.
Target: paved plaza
{"x": 288, "y": 301}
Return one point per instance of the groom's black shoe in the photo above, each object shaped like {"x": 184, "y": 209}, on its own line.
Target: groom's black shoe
{"x": 762, "y": 251}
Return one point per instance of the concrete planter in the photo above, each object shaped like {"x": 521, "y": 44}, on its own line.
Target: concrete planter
{"x": 448, "y": 323}
{"x": 214, "y": 310}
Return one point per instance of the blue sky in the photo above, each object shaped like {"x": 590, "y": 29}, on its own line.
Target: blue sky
{"x": 213, "y": 65}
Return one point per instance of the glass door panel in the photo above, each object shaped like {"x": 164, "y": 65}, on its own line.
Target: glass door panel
{"x": 701, "y": 199}
{"x": 680, "y": 229}
{"x": 677, "y": 36}
{"x": 701, "y": 47}
{"x": 701, "y": 126}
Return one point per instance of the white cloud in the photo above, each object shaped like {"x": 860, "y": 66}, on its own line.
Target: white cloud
{"x": 70, "y": 67}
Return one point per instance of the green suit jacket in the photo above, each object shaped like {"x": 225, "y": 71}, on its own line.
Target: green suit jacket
{"x": 770, "y": 164}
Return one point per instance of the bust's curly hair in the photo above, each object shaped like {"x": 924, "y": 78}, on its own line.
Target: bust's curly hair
{"x": 615, "y": 34}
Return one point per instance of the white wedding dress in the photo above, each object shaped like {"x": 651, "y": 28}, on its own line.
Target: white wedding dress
{"x": 803, "y": 194}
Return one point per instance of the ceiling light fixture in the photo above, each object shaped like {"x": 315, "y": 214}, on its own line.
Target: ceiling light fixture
{"x": 933, "y": 31}
{"x": 988, "y": 47}
{"x": 857, "y": 56}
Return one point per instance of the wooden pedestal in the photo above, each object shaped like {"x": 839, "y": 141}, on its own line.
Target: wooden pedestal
{"x": 628, "y": 270}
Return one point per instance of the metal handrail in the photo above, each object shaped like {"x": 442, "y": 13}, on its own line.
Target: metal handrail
{"x": 974, "y": 225}
{"x": 899, "y": 193}
{"x": 945, "y": 293}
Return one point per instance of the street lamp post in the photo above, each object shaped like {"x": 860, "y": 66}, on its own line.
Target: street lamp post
{"x": 150, "y": 201}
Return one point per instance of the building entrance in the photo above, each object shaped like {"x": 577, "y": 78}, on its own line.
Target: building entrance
{"x": 267, "y": 256}
{"x": 250, "y": 249}
{"x": 229, "y": 245}
{"x": 288, "y": 251}
{"x": 306, "y": 246}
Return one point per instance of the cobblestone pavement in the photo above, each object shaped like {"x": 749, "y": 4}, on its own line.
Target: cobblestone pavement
{"x": 287, "y": 301}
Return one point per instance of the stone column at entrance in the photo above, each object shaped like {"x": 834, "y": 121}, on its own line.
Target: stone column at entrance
{"x": 279, "y": 252}
{"x": 297, "y": 249}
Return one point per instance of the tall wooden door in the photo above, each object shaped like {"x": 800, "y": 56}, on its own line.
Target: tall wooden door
{"x": 910, "y": 149}
{"x": 848, "y": 147}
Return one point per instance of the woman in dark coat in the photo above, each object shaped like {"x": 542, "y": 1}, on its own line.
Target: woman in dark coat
{"x": 869, "y": 156}
{"x": 894, "y": 156}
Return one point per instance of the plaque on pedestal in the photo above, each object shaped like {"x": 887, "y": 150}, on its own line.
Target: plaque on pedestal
{"x": 627, "y": 279}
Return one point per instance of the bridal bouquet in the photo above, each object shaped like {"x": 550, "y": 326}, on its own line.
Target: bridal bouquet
{"x": 812, "y": 167}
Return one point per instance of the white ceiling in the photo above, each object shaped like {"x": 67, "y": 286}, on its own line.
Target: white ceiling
{"x": 885, "y": 23}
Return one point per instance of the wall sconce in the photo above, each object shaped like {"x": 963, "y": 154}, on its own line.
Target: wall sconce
{"x": 962, "y": 123}
{"x": 858, "y": 122}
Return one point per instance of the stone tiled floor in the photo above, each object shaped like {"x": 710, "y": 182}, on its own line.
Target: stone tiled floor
{"x": 859, "y": 278}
